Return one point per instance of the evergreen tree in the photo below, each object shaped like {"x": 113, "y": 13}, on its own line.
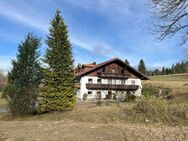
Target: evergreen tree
{"x": 163, "y": 71}
{"x": 2, "y": 81}
{"x": 141, "y": 67}
{"x": 58, "y": 85}
{"x": 24, "y": 78}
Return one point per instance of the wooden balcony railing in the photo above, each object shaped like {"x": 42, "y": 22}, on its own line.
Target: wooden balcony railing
{"x": 113, "y": 75}
{"x": 112, "y": 87}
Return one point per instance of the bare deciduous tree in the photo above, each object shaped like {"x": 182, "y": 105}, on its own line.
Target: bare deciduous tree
{"x": 171, "y": 17}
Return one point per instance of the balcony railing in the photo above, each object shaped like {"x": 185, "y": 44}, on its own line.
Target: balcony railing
{"x": 113, "y": 75}
{"x": 112, "y": 87}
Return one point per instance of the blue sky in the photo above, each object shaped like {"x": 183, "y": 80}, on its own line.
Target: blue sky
{"x": 98, "y": 30}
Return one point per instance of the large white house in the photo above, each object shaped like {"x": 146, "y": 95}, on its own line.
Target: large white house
{"x": 110, "y": 79}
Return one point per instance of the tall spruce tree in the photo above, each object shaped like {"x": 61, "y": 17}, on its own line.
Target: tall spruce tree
{"x": 24, "y": 77}
{"x": 141, "y": 66}
{"x": 58, "y": 85}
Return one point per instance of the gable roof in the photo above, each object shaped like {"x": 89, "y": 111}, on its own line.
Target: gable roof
{"x": 96, "y": 67}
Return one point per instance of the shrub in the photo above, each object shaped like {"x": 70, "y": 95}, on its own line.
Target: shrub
{"x": 150, "y": 107}
{"x": 98, "y": 99}
{"x": 21, "y": 101}
{"x": 149, "y": 90}
{"x": 158, "y": 110}
{"x": 84, "y": 97}
{"x": 2, "y": 81}
{"x": 130, "y": 97}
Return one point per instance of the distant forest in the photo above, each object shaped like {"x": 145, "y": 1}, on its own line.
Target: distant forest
{"x": 177, "y": 68}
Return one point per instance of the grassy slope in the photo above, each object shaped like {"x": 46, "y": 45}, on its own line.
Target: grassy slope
{"x": 177, "y": 82}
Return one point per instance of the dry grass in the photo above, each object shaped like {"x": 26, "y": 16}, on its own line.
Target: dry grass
{"x": 177, "y": 82}
{"x": 172, "y": 77}
{"x": 75, "y": 131}
{"x": 88, "y": 122}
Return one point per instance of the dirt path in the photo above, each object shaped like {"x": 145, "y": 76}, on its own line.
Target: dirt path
{"x": 74, "y": 131}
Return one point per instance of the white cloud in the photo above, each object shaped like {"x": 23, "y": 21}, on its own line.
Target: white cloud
{"x": 103, "y": 49}
{"x": 97, "y": 47}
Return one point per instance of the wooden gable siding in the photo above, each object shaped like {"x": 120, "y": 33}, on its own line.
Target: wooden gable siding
{"x": 117, "y": 67}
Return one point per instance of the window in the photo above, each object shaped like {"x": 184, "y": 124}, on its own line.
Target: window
{"x": 90, "y": 81}
{"x": 89, "y": 92}
{"x": 123, "y": 82}
{"x": 122, "y": 70}
{"x": 109, "y": 81}
{"x": 103, "y": 69}
{"x": 132, "y": 82}
{"x": 113, "y": 71}
{"x": 98, "y": 81}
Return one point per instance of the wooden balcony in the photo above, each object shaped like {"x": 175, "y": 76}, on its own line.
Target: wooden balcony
{"x": 112, "y": 87}
{"x": 113, "y": 75}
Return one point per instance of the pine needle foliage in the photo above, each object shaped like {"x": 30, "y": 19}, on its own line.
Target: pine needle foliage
{"x": 24, "y": 78}
{"x": 142, "y": 67}
{"x": 57, "y": 92}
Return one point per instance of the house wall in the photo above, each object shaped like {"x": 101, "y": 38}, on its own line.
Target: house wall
{"x": 84, "y": 81}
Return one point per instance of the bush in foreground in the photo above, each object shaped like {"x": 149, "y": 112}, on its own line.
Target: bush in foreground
{"x": 149, "y": 90}
{"x": 158, "y": 110}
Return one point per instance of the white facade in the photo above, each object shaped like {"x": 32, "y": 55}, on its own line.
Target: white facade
{"x": 91, "y": 94}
